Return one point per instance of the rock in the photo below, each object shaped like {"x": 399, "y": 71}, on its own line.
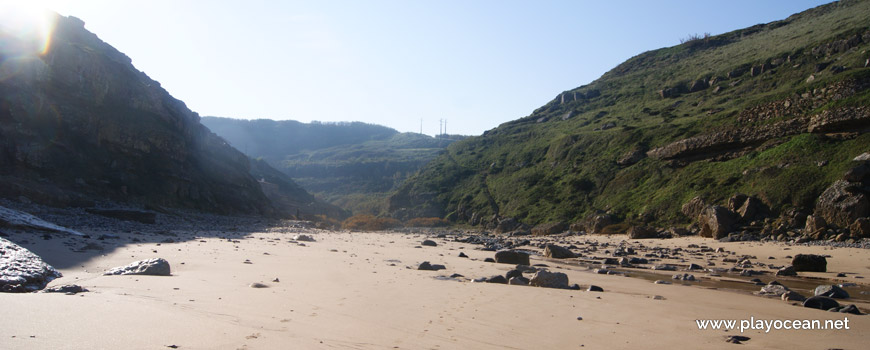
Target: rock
{"x": 303, "y": 238}
{"x": 558, "y": 252}
{"x": 152, "y": 267}
{"x": 693, "y": 267}
{"x": 664, "y": 267}
{"x": 512, "y": 257}
{"x": 684, "y": 277}
{"x": 737, "y": 339}
{"x": 810, "y": 262}
{"x": 513, "y": 273}
{"x": 851, "y": 309}
{"x": 145, "y": 217}
{"x": 814, "y": 224}
{"x": 258, "y": 285}
{"x": 662, "y": 282}
{"x": 773, "y": 289}
{"x": 840, "y": 206}
{"x": 22, "y": 271}
{"x": 548, "y": 279}
{"x": 786, "y": 271}
{"x": 863, "y": 157}
{"x": 489, "y": 260}
{"x": 631, "y": 157}
{"x": 599, "y": 222}
{"x": 429, "y": 243}
{"x": 821, "y": 303}
{"x": 14, "y": 218}
{"x": 642, "y": 232}
{"x": 526, "y": 268}
{"x": 69, "y": 289}
{"x": 594, "y": 288}
{"x": 716, "y": 222}
{"x": 860, "y": 228}
{"x": 426, "y": 266}
{"x": 694, "y": 207}
{"x": 549, "y": 228}
{"x": 831, "y": 291}
{"x": 497, "y": 279}
{"x": 792, "y": 296}
{"x": 506, "y": 225}
{"x": 518, "y": 281}
{"x": 698, "y": 85}
{"x": 462, "y": 255}
{"x": 750, "y": 209}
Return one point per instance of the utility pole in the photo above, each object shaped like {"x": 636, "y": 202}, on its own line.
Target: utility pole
{"x": 445, "y": 127}
{"x": 440, "y": 126}
{"x": 421, "y": 126}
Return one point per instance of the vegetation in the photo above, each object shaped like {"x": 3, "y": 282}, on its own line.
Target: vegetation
{"x": 351, "y": 165}
{"x": 563, "y": 162}
{"x": 427, "y": 222}
{"x": 369, "y": 223}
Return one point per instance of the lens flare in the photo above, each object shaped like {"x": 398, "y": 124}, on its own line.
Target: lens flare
{"x": 25, "y": 28}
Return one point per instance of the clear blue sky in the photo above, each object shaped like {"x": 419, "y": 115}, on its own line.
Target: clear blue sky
{"x": 475, "y": 63}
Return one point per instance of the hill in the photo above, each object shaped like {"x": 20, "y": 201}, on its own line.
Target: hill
{"x": 776, "y": 111}
{"x": 79, "y": 124}
{"x": 353, "y": 165}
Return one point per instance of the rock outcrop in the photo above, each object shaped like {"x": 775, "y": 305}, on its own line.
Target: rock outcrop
{"x": 22, "y": 271}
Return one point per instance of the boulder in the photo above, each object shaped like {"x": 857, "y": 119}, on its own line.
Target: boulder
{"x": 814, "y": 224}
{"x": 426, "y": 266}
{"x": 497, "y": 279}
{"x": 22, "y": 271}
{"x": 429, "y": 243}
{"x": 518, "y": 281}
{"x": 549, "y": 228}
{"x": 67, "y": 289}
{"x": 831, "y": 291}
{"x": 860, "y": 173}
{"x": 821, "y": 303}
{"x": 548, "y": 279}
{"x": 558, "y": 252}
{"x": 513, "y": 273}
{"x": 793, "y": 296}
{"x": 153, "y": 267}
{"x": 599, "y": 222}
{"x": 303, "y": 238}
{"x": 751, "y": 209}
{"x": 716, "y": 222}
{"x": 841, "y": 205}
{"x": 506, "y": 225}
{"x": 698, "y": 85}
{"x": 594, "y": 288}
{"x": 694, "y": 207}
{"x": 773, "y": 289}
{"x": 810, "y": 262}
{"x": 786, "y": 271}
{"x": 631, "y": 157}
{"x": 736, "y": 201}
{"x": 860, "y": 228}
{"x": 642, "y": 232}
{"x": 512, "y": 257}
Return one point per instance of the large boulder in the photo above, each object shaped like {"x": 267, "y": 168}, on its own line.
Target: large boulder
{"x": 22, "y": 271}
{"x": 810, "y": 262}
{"x": 814, "y": 224}
{"x": 841, "y": 204}
{"x": 549, "y": 228}
{"x": 694, "y": 207}
{"x": 153, "y": 267}
{"x": 549, "y": 279}
{"x": 861, "y": 227}
{"x": 506, "y": 225}
{"x": 512, "y": 257}
{"x": 558, "y": 252}
{"x": 641, "y": 232}
{"x": 716, "y": 222}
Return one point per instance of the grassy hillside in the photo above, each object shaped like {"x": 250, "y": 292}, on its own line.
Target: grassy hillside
{"x": 352, "y": 165}
{"x": 751, "y": 111}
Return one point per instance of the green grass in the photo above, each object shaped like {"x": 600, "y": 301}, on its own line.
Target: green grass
{"x": 566, "y": 169}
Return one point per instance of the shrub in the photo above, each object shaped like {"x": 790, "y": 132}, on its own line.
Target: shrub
{"x": 427, "y": 222}
{"x": 369, "y": 223}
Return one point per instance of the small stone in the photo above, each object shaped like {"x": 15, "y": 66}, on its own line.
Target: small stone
{"x": 462, "y": 255}
{"x": 258, "y": 285}
{"x": 303, "y": 238}
{"x": 662, "y": 282}
{"x": 426, "y": 266}
{"x": 736, "y": 339}
{"x": 429, "y": 243}
{"x": 594, "y": 288}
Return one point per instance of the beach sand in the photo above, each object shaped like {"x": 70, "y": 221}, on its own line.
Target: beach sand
{"x": 362, "y": 291}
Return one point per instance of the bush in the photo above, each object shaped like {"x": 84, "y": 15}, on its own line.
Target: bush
{"x": 369, "y": 223}
{"x": 427, "y": 222}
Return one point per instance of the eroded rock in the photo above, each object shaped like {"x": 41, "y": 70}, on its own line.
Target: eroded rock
{"x": 22, "y": 271}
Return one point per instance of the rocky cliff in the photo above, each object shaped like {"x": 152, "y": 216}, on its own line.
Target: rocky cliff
{"x": 78, "y": 123}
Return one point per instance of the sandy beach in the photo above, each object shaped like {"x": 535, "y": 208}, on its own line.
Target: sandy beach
{"x": 361, "y": 290}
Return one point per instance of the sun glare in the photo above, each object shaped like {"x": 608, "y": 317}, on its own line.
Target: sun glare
{"x": 25, "y": 27}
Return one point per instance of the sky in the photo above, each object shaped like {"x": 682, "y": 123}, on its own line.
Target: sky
{"x": 475, "y": 63}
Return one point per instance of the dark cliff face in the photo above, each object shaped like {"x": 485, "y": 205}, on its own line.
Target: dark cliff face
{"x": 79, "y": 122}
